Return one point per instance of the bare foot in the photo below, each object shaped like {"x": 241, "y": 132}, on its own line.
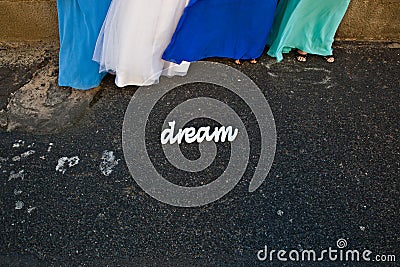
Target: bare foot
{"x": 330, "y": 59}
{"x": 301, "y": 56}
{"x": 253, "y": 61}
{"x": 237, "y": 62}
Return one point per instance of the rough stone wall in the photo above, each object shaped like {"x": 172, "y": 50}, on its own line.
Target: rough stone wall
{"x": 371, "y": 20}
{"x": 28, "y": 20}
{"x": 36, "y": 20}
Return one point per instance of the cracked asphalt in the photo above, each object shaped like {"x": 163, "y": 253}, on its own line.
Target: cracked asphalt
{"x": 68, "y": 199}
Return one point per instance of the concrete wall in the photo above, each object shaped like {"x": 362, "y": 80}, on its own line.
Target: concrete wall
{"x": 36, "y": 20}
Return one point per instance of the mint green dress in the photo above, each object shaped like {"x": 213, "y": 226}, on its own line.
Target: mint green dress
{"x": 308, "y": 25}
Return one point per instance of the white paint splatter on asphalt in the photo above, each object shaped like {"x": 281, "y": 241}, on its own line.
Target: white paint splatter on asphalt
{"x": 23, "y": 155}
{"x": 19, "y": 205}
{"x": 108, "y": 162}
{"x": 16, "y": 158}
{"x": 71, "y": 163}
{"x": 13, "y": 175}
{"x": 31, "y": 145}
{"x": 19, "y": 143}
{"x": 273, "y": 74}
{"x": 31, "y": 209}
{"x": 17, "y": 192}
{"x": 28, "y": 153}
{"x": 50, "y": 147}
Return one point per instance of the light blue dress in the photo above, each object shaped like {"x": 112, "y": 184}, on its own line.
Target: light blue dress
{"x": 80, "y": 22}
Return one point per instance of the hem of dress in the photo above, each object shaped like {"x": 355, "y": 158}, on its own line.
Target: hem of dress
{"x": 125, "y": 83}
{"x": 79, "y": 87}
{"x": 179, "y": 61}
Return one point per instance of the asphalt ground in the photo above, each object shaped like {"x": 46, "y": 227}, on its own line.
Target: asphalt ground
{"x": 335, "y": 176}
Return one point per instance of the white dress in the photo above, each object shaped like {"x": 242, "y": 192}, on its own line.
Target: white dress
{"x": 133, "y": 38}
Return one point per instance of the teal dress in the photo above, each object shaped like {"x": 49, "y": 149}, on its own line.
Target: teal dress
{"x": 308, "y": 25}
{"x": 80, "y": 22}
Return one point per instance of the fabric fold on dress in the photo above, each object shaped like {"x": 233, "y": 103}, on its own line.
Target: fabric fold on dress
{"x": 79, "y": 26}
{"x": 236, "y": 29}
{"x": 133, "y": 37}
{"x": 307, "y": 25}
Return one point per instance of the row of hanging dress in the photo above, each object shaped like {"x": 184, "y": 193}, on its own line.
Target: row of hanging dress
{"x": 140, "y": 40}
{"x": 130, "y": 39}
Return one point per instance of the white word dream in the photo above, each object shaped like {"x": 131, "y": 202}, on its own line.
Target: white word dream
{"x": 190, "y": 135}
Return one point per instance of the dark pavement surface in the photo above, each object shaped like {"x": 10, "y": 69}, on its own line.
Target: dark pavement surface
{"x": 335, "y": 176}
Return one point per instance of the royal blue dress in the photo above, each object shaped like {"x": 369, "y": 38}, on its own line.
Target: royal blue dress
{"x": 236, "y": 29}
{"x": 80, "y": 22}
